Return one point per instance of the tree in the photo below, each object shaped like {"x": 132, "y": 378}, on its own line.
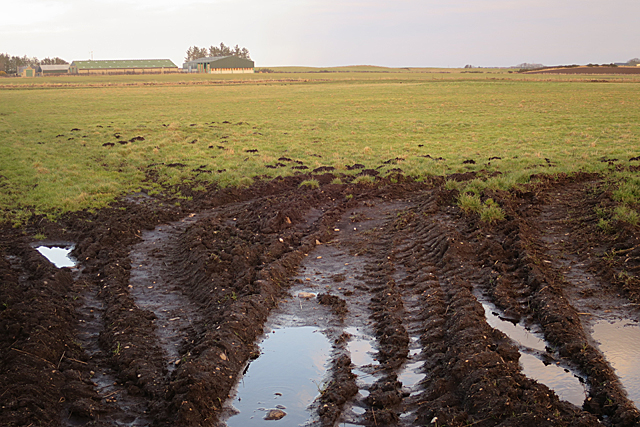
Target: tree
{"x": 53, "y": 61}
{"x": 10, "y": 64}
{"x": 195, "y": 52}
{"x": 634, "y": 61}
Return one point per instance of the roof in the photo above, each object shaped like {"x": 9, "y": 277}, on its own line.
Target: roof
{"x": 57, "y": 67}
{"x": 126, "y": 63}
{"x": 231, "y": 59}
{"x": 209, "y": 59}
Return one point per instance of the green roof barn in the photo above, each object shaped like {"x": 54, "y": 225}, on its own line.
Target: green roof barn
{"x": 129, "y": 66}
{"x": 220, "y": 65}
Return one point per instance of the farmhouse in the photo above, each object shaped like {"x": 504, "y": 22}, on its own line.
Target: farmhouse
{"x": 52, "y": 70}
{"x": 131, "y": 66}
{"x": 220, "y": 65}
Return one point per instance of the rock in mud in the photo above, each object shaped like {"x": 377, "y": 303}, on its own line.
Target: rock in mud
{"x": 306, "y": 295}
{"x": 275, "y": 414}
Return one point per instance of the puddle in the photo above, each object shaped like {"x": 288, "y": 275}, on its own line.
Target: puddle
{"x": 58, "y": 255}
{"x": 619, "y": 341}
{"x": 362, "y": 351}
{"x": 516, "y": 332}
{"x": 565, "y": 384}
{"x": 411, "y": 374}
{"x": 287, "y": 375}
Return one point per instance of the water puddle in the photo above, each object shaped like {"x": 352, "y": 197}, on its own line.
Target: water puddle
{"x": 365, "y": 366}
{"x": 58, "y": 255}
{"x": 412, "y": 373}
{"x": 287, "y": 376}
{"x": 619, "y": 341}
{"x": 564, "y": 383}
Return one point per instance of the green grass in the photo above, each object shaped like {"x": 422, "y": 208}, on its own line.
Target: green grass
{"x": 366, "y": 115}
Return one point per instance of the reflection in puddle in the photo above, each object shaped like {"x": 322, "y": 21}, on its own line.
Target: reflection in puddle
{"x": 565, "y": 384}
{"x": 411, "y": 374}
{"x": 361, "y": 348}
{"x": 58, "y": 256}
{"x": 516, "y": 332}
{"x": 620, "y": 343}
{"x": 287, "y": 375}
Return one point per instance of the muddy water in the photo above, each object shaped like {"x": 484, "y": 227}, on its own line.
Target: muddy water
{"x": 58, "y": 255}
{"x": 287, "y": 376}
{"x": 619, "y": 341}
{"x": 291, "y": 369}
{"x": 560, "y": 379}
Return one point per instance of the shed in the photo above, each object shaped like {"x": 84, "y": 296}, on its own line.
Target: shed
{"x": 128, "y": 66}
{"x": 27, "y": 71}
{"x": 220, "y": 65}
{"x": 48, "y": 70}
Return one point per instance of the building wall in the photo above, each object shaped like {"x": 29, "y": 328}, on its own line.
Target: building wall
{"x": 232, "y": 71}
{"x": 128, "y": 71}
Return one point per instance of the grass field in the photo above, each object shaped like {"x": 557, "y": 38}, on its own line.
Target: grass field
{"x": 53, "y": 131}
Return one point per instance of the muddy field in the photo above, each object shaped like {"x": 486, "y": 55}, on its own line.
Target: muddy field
{"x": 166, "y": 307}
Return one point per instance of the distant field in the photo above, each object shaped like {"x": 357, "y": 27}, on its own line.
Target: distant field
{"x": 61, "y": 138}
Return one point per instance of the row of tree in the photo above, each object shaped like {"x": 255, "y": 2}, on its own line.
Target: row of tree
{"x": 10, "y": 64}
{"x": 194, "y": 52}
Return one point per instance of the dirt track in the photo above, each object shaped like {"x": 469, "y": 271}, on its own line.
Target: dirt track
{"x": 162, "y": 315}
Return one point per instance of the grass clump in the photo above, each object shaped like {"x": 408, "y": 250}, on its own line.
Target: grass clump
{"x": 489, "y": 211}
{"x": 628, "y": 191}
{"x": 626, "y": 214}
{"x": 470, "y": 203}
{"x": 364, "y": 179}
{"x": 311, "y": 183}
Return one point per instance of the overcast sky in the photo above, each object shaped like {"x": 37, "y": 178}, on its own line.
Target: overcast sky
{"x": 396, "y": 33}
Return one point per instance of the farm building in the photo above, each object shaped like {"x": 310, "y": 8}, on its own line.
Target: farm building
{"x": 130, "y": 66}
{"x": 27, "y": 71}
{"x": 49, "y": 70}
{"x": 220, "y": 65}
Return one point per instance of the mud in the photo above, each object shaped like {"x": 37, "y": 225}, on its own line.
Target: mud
{"x": 166, "y": 309}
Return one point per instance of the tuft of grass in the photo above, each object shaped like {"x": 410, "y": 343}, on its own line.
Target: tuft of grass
{"x": 364, "y": 179}
{"x": 311, "y": 183}
{"x": 39, "y": 236}
{"x": 626, "y": 214}
{"x": 451, "y": 184}
{"x": 336, "y": 181}
{"x": 470, "y": 203}
{"x": 628, "y": 191}
{"x": 491, "y": 212}
{"x": 605, "y": 225}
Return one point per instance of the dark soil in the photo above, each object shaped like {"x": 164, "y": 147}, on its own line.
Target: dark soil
{"x": 92, "y": 346}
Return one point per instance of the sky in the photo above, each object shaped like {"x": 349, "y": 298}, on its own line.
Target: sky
{"x": 324, "y": 33}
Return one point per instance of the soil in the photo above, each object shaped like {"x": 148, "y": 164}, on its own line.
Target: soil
{"x": 160, "y": 318}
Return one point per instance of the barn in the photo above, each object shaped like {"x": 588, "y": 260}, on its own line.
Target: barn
{"x": 220, "y": 65}
{"x": 27, "y": 71}
{"x": 52, "y": 70}
{"x": 129, "y": 66}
